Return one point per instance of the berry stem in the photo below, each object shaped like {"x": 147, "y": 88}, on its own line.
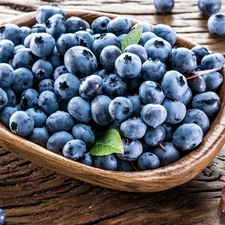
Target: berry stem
{"x": 200, "y": 73}
{"x": 162, "y": 146}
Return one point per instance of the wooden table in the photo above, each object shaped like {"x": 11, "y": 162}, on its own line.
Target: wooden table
{"x": 31, "y": 194}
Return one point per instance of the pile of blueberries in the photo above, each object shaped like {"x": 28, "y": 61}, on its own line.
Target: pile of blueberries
{"x": 64, "y": 82}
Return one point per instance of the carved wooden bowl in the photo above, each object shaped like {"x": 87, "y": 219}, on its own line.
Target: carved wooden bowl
{"x": 155, "y": 180}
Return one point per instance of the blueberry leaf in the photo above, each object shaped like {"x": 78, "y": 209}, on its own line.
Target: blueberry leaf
{"x": 133, "y": 37}
{"x": 109, "y": 142}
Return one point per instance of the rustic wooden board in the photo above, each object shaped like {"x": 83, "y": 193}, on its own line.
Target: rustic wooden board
{"x": 31, "y": 194}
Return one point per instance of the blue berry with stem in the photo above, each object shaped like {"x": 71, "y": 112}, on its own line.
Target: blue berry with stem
{"x": 167, "y": 153}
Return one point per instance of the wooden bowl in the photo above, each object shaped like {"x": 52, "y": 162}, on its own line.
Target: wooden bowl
{"x": 155, "y": 180}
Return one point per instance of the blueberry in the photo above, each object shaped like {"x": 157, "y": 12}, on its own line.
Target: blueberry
{"x": 29, "y": 98}
{"x": 216, "y": 24}
{"x": 187, "y": 136}
{"x": 163, "y": 6}
{"x": 197, "y": 85}
{"x": 183, "y": 60}
{"x": 11, "y": 97}
{"x": 27, "y": 40}
{"x": 169, "y": 128}
{"x": 6, "y": 75}
{"x": 108, "y": 56}
{"x": 80, "y": 109}
{"x": 106, "y": 162}
{"x": 200, "y": 52}
{"x": 23, "y": 79}
{"x": 158, "y": 48}
{"x": 11, "y": 32}
{"x": 46, "y": 85}
{"x": 209, "y": 8}
{"x": 23, "y": 58}
{"x": 153, "y": 69}
{"x": 39, "y": 136}
{"x": 55, "y": 58}
{"x": 99, "y": 25}
{"x": 99, "y": 110}
{"x": 124, "y": 165}
{"x": 119, "y": 25}
{"x": 91, "y": 87}
{"x": 56, "y": 25}
{"x": 38, "y": 28}
{"x": 134, "y": 84}
{"x": 176, "y": 111}
{"x": 59, "y": 121}
{"x": 209, "y": 102}
{"x": 212, "y": 61}
{"x": 5, "y": 115}
{"x": 38, "y": 116}
{"x": 84, "y": 38}
{"x": 137, "y": 104}
{"x": 187, "y": 97}
{"x": 133, "y": 128}
{"x": 114, "y": 85}
{"x": 6, "y": 50}
{"x": 137, "y": 50}
{"x": 128, "y": 65}
{"x": 74, "y": 24}
{"x": 168, "y": 155}
{"x": 21, "y": 123}
{"x": 42, "y": 69}
{"x": 120, "y": 108}
{"x": 25, "y": 31}
{"x": 3, "y": 99}
{"x": 87, "y": 159}
{"x": 148, "y": 160}
{"x": 66, "y": 41}
{"x": 59, "y": 71}
{"x": 57, "y": 141}
{"x": 80, "y": 61}
{"x": 213, "y": 80}
{"x": 46, "y": 11}
{"x": 42, "y": 44}
{"x": 132, "y": 150}
{"x": 154, "y": 136}
{"x": 151, "y": 92}
{"x": 104, "y": 40}
{"x": 166, "y": 32}
{"x": 174, "y": 85}
{"x": 2, "y": 216}
{"x": 153, "y": 114}
{"x": 145, "y": 36}
{"x": 85, "y": 133}
{"x": 48, "y": 102}
{"x": 66, "y": 86}
{"x": 145, "y": 26}
{"x": 74, "y": 149}
{"x": 198, "y": 117}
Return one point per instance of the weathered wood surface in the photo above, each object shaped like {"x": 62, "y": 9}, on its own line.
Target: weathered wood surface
{"x": 31, "y": 194}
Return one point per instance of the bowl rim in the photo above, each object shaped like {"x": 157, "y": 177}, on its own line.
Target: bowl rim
{"x": 155, "y": 180}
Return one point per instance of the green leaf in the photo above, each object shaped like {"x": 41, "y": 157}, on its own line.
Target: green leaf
{"x": 133, "y": 37}
{"x": 110, "y": 142}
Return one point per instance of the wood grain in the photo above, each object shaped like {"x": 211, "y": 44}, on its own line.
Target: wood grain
{"x": 31, "y": 194}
